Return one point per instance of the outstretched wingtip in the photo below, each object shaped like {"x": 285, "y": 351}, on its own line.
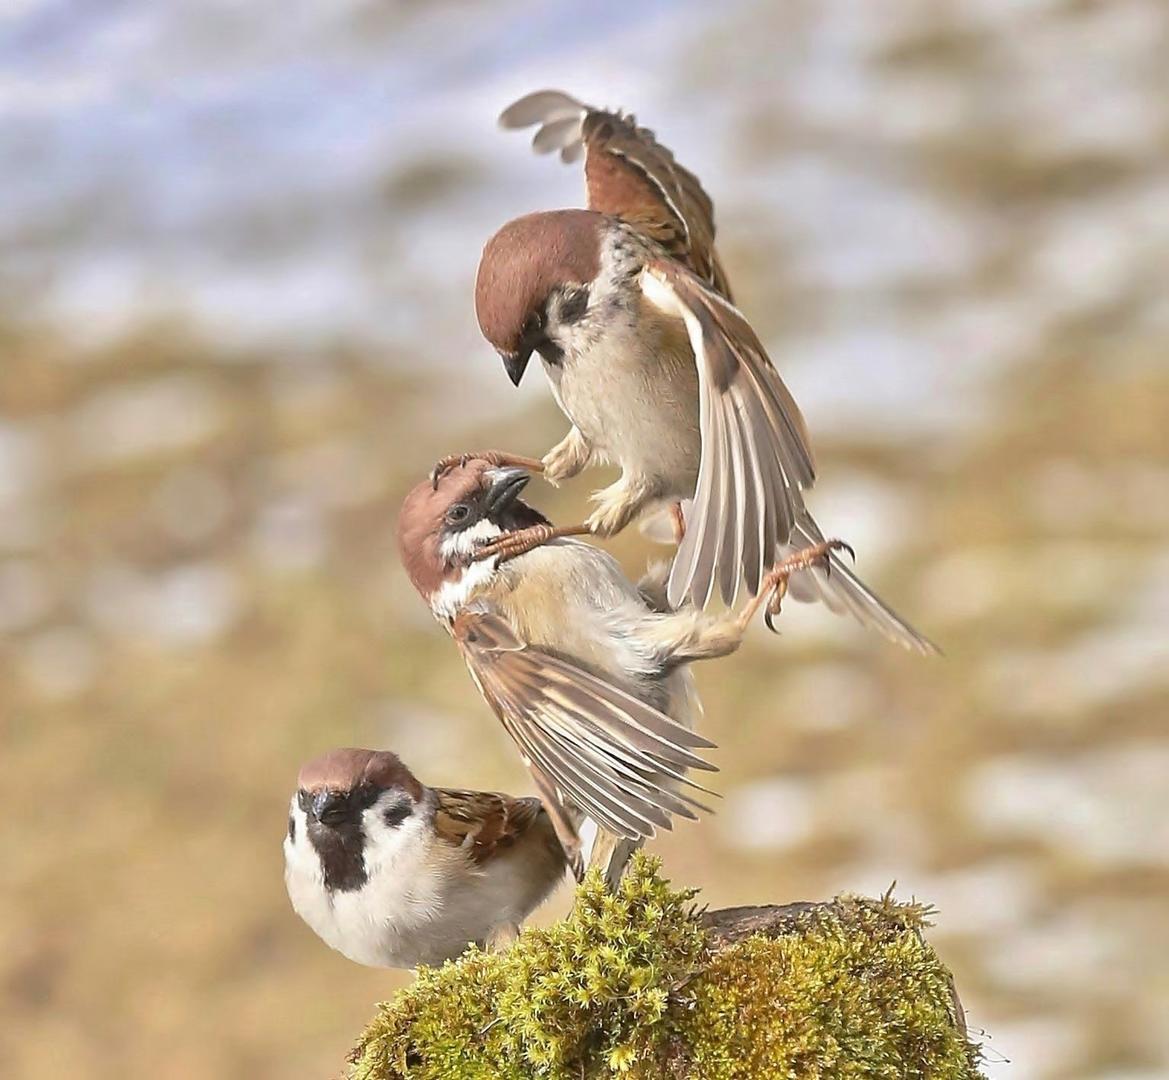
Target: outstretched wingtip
{"x": 540, "y": 107}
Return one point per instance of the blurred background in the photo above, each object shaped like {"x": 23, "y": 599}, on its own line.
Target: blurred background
{"x": 237, "y": 244}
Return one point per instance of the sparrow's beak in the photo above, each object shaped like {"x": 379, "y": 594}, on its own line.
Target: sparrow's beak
{"x": 516, "y": 363}
{"x": 506, "y": 485}
{"x": 330, "y": 807}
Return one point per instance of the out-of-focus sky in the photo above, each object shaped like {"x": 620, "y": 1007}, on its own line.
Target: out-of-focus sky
{"x": 237, "y": 244}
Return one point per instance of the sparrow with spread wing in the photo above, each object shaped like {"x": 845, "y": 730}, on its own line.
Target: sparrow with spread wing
{"x": 629, "y": 309}
{"x": 587, "y": 672}
{"x": 393, "y": 873}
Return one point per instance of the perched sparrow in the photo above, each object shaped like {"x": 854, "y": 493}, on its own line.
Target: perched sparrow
{"x": 629, "y": 309}
{"x": 587, "y": 672}
{"x": 393, "y": 873}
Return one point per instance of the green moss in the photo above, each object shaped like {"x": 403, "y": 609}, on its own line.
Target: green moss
{"x": 631, "y": 985}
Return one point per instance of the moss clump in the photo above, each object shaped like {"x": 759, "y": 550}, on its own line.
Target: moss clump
{"x": 632, "y": 985}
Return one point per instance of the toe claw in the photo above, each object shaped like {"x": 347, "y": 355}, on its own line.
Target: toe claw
{"x": 441, "y": 468}
{"x": 444, "y": 466}
{"x": 842, "y": 545}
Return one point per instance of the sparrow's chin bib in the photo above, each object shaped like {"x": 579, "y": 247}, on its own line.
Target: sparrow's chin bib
{"x": 341, "y": 851}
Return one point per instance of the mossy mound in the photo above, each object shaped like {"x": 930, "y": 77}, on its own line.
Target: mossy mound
{"x": 636, "y": 985}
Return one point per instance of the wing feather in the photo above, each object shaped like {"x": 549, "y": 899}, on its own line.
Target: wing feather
{"x": 742, "y": 509}
{"x": 614, "y": 757}
{"x": 628, "y": 175}
{"x": 756, "y": 463}
{"x": 556, "y": 135}
{"x": 631, "y": 818}
{"x": 541, "y": 107}
{"x": 742, "y": 403}
{"x": 842, "y": 590}
{"x": 576, "y": 726}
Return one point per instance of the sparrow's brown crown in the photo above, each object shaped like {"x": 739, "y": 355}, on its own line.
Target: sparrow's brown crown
{"x": 523, "y": 263}
{"x": 462, "y": 497}
{"x": 351, "y": 768}
{"x": 423, "y": 519}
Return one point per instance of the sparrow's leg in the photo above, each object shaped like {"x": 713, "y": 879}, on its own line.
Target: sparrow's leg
{"x": 619, "y": 504}
{"x": 689, "y": 634}
{"x": 498, "y": 458}
{"x": 567, "y": 457}
{"x": 502, "y": 937}
{"x": 678, "y": 521}
{"x": 612, "y": 854}
{"x": 511, "y": 544}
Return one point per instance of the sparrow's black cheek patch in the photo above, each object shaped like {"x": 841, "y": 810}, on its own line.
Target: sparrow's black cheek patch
{"x": 292, "y": 828}
{"x": 393, "y": 816}
{"x": 574, "y": 306}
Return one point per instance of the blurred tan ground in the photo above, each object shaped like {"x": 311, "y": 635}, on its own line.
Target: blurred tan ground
{"x": 198, "y": 588}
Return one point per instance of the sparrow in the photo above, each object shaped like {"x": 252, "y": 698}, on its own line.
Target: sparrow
{"x": 587, "y": 671}
{"x": 629, "y": 309}
{"x": 392, "y": 873}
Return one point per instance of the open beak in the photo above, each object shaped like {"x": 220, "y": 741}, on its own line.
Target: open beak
{"x": 506, "y": 485}
{"x": 515, "y": 364}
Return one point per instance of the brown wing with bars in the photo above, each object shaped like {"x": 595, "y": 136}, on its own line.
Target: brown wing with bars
{"x": 590, "y": 745}
{"x": 628, "y": 175}
{"x": 483, "y": 821}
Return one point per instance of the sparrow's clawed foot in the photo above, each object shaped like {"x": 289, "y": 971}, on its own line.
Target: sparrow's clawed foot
{"x": 502, "y": 937}
{"x": 776, "y": 579}
{"x": 618, "y": 504}
{"x": 567, "y": 458}
{"x": 511, "y": 544}
{"x": 496, "y": 458}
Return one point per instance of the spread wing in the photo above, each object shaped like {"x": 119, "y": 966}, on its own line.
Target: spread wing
{"x": 756, "y": 455}
{"x": 748, "y": 509}
{"x": 484, "y": 821}
{"x": 588, "y": 744}
{"x": 628, "y": 175}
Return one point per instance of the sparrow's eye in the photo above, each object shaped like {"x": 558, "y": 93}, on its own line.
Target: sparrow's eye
{"x": 458, "y": 512}
{"x": 303, "y": 801}
{"x": 533, "y": 324}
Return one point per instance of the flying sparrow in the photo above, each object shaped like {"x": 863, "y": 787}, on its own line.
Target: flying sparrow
{"x": 587, "y": 672}
{"x": 629, "y": 309}
{"x": 393, "y": 873}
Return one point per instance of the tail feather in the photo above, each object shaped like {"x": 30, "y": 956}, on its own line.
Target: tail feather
{"x": 841, "y": 591}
